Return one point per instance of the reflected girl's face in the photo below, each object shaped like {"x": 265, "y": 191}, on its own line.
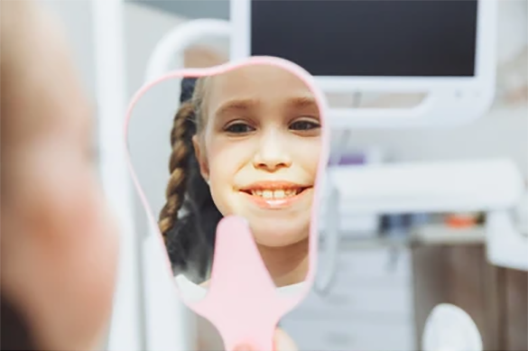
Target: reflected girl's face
{"x": 260, "y": 149}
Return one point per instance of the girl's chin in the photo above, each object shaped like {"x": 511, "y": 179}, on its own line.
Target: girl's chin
{"x": 278, "y": 238}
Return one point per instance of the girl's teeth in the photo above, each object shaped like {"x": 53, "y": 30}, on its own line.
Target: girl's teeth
{"x": 274, "y": 194}
{"x": 279, "y": 194}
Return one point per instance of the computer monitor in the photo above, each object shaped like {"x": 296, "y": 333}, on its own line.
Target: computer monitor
{"x": 442, "y": 47}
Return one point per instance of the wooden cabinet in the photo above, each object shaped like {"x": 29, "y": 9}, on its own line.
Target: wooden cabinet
{"x": 496, "y": 298}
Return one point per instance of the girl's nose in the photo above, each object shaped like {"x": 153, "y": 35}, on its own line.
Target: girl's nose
{"x": 272, "y": 154}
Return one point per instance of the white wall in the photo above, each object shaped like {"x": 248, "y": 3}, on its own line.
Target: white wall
{"x": 151, "y": 121}
{"x": 513, "y": 30}
{"x": 76, "y": 17}
{"x": 501, "y": 133}
{"x": 144, "y": 27}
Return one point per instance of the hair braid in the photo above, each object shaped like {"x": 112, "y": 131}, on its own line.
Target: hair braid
{"x": 189, "y": 218}
{"x": 178, "y": 164}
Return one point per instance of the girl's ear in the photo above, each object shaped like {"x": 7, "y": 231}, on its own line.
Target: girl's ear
{"x": 200, "y": 157}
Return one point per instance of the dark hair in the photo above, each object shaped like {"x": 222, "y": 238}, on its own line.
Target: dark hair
{"x": 189, "y": 218}
{"x": 15, "y": 333}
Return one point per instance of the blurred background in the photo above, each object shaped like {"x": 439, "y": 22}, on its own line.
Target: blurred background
{"x": 384, "y": 291}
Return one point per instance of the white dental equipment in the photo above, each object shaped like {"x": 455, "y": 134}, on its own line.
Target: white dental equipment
{"x": 449, "y": 328}
{"x": 491, "y": 186}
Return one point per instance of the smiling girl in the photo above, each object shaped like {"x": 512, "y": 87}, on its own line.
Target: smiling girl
{"x": 247, "y": 143}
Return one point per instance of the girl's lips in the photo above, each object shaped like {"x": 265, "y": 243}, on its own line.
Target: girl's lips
{"x": 273, "y": 203}
{"x": 272, "y": 185}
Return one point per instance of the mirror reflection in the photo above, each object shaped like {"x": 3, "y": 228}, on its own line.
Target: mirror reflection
{"x": 244, "y": 142}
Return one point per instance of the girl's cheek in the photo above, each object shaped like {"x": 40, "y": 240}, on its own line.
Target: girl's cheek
{"x": 61, "y": 194}
{"x": 306, "y": 149}
{"x": 59, "y": 200}
{"x": 226, "y": 152}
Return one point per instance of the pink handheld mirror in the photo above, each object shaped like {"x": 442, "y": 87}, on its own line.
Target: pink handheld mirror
{"x": 230, "y": 178}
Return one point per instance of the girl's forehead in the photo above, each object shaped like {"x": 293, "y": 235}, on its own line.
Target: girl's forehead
{"x": 258, "y": 83}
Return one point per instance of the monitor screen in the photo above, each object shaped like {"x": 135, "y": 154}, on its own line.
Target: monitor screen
{"x": 433, "y": 38}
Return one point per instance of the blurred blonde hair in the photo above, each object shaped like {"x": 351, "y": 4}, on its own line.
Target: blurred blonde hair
{"x": 27, "y": 34}
{"x": 12, "y": 34}
{"x": 16, "y": 334}
{"x": 20, "y": 21}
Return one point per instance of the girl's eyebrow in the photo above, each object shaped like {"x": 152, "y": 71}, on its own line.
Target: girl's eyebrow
{"x": 247, "y": 104}
{"x": 302, "y": 101}
{"x": 236, "y": 105}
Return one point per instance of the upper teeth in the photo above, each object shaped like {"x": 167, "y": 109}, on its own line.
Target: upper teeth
{"x": 275, "y": 194}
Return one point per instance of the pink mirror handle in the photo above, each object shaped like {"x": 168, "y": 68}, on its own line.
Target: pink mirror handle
{"x": 242, "y": 301}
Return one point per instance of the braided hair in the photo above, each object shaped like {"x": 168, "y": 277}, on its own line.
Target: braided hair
{"x": 189, "y": 217}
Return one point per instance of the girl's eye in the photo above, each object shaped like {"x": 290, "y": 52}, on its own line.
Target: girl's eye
{"x": 303, "y": 125}
{"x": 239, "y": 128}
